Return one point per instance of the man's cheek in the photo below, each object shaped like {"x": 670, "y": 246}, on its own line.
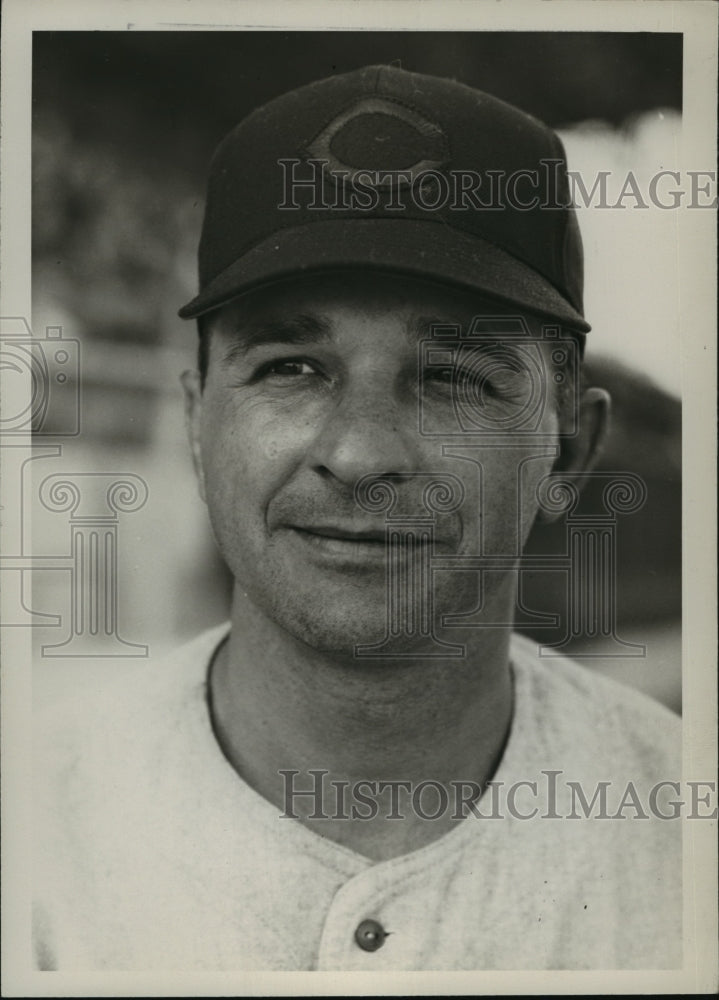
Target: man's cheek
{"x": 535, "y": 469}
{"x": 508, "y": 500}
{"x": 254, "y": 450}
{"x": 270, "y": 432}
{"x": 278, "y": 442}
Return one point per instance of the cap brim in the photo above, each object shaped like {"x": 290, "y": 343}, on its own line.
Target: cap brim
{"x": 426, "y": 249}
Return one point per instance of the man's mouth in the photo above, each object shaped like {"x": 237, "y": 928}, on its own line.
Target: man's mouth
{"x": 373, "y": 536}
{"x": 345, "y": 544}
{"x": 336, "y": 542}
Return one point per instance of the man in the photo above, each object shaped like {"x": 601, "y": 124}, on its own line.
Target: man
{"x": 366, "y": 770}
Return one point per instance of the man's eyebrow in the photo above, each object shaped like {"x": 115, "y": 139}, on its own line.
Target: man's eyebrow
{"x": 300, "y": 329}
{"x": 486, "y": 332}
{"x": 421, "y": 327}
{"x": 424, "y": 327}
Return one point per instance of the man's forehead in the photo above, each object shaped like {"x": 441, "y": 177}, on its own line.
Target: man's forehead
{"x": 311, "y": 305}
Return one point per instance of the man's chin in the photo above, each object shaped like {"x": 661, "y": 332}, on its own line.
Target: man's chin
{"x": 363, "y": 633}
{"x": 339, "y": 632}
{"x": 355, "y": 618}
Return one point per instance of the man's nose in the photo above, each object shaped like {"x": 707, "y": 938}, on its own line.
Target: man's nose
{"x": 367, "y": 432}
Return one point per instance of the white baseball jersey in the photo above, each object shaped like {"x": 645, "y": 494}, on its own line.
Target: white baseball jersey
{"x": 153, "y": 854}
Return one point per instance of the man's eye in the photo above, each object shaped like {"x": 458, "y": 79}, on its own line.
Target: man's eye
{"x": 441, "y": 376}
{"x": 446, "y": 375}
{"x": 458, "y": 378}
{"x": 287, "y": 368}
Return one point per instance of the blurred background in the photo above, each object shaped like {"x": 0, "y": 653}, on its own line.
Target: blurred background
{"x": 124, "y": 125}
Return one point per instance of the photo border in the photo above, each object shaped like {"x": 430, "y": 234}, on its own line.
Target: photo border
{"x": 696, "y": 248}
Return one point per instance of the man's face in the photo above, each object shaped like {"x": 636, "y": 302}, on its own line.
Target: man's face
{"x": 314, "y": 384}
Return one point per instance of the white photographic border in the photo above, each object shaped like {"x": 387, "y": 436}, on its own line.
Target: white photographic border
{"x": 696, "y": 256}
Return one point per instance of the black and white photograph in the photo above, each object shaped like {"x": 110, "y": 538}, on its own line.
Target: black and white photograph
{"x": 358, "y": 444}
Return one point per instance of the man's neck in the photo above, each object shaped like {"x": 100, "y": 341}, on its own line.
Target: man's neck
{"x": 282, "y": 710}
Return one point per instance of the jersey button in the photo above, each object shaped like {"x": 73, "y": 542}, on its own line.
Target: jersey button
{"x": 370, "y": 935}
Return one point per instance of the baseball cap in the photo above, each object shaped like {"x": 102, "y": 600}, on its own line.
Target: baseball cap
{"x": 385, "y": 168}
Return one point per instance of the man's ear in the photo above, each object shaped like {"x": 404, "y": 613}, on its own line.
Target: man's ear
{"x": 579, "y": 454}
{"x": 192, "y": 386}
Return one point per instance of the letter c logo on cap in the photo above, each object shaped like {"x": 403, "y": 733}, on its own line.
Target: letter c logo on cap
{"x": 383, "y": 137}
